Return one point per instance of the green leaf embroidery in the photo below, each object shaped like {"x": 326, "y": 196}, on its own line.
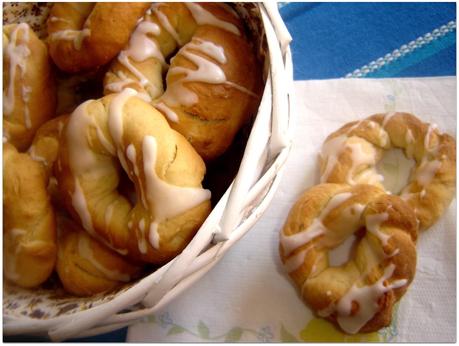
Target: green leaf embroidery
{"x": 151, "y": 319}
{"x": 175, "y": 330}
{"x": 286, "y": 336}
{"x": 203, "y": 330}
{"x": 234, "y": 335}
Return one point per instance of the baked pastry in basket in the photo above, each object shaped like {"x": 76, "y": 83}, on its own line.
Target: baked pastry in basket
{"x": 29, "y": 93}
{"x": 213, "y": 82}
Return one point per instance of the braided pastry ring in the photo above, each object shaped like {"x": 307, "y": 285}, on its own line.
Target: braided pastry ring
{"x": 357, "y": 295}
{"x": 350, "y": 154}
{"x": 29, "y": 93}
{"x": 213, "y": 82}
{"x": 29, "y": 225}
{"x": 84, "y": 265}
{"x": 85, "y": 35}
{"x": 165, "y": 169}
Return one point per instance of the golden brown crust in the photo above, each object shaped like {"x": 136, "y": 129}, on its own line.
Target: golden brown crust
{"x": 108, "y": 26}
{"x": 382, "y": 259}
{"x": 219, "y": 109}
{"x": 29, "y": 229}
{"x": 88, "y": 177}
{"x": 432, "y": 183}
{"x": 86, "y": 266}
{"x": 28, "y": 85}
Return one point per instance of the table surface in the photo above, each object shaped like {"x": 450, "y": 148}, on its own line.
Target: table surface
{"x": 375, "y": 40}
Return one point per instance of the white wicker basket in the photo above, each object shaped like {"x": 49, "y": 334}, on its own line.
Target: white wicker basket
{"x": 240, "y": 207}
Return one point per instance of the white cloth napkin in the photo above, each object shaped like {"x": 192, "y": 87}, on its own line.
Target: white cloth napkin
{"x": 248, "y": 296}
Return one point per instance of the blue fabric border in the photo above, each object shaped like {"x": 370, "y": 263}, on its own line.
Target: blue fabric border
{"x": 329, "y": 42}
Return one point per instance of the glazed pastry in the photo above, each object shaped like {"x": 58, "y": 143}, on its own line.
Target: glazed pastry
{"x": 357, "y": 293}
{"x": 45, "y": 144}
{"x": 213, "y": 83}
{"x": 29, "y": 226}
{"x": 350, "y": 154}
{"x": 84, "y": 35}
{"x": 122, "y": 131}
{"x": 85, "y": 266}
{"x": 29, "y": 93}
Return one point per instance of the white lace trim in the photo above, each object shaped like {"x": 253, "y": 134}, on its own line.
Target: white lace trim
{"x": 403, "y": 50}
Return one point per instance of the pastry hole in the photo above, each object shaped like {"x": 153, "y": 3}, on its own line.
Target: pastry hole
{"x": 396, "y": 168}
{"x": 342, "y": 253}
{"x": 126, "y": 188}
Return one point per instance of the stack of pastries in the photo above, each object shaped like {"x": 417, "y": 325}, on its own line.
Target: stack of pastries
{"x": 116, "y": 183}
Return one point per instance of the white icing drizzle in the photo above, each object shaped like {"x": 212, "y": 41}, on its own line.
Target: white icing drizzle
{"x": 25, "y": 93}
{"x": 367, "y": 299}
{"x": 315, "y": 229}
{"x": 241, "y": 88}
{"x": 85, "y": 251}
{"x": 409, "y": 138}
{"x": 153, "y": 236}
{"x": 422, "y": 193}
{"x": 335, "y": 146}
{"x": 167, "y": 111}
{"x": 359, "y": 157}
{"x": 166, "y": 24}
{"x": 77, "y": 36}
{"x": 207, "y": 72}
{"x": 115, "y": 117}
{"x": 123, "y": 58}
{"x": 80, "y": 157}
{"x": 330, "y": 151}
{"x": 373, "y": 225}
{"x": 142, "y": 242}
{"x": 132, "y": 156}
{"x": 386, "y": 119}
{"x": 141, "y": 47}
{"x": 204, "y": 17}
{"x": 81, "y": 207}
{"x": 122, "y": 83}
{"x": 427, "y": 171}
{"x": 209, "y": 48}
{"x": 430, "y": 129}
{"x": 17, "y": 54}
{"x": 103, "y": 140}
{"x": 296, "y": 261}
{"x": 36, "y": 157}
{"x": 165, "y": 200}
{"x": 54, "y": 19}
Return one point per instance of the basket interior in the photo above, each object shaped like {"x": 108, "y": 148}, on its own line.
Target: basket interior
{"x": 50, "y": 300}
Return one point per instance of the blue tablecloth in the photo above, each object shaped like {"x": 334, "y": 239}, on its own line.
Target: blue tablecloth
{"x": 333, "y": 40}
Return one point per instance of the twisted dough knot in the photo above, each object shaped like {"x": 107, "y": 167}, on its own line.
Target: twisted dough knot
{"x": 350, "y": 154}
{"x": 357, "y": 295}
{"x": 29, "y": 227}
{"x": 84, "y": 35}
{"x": 29, "y": 93}
{"x": 213, "y": 81}
{"x": 85, "y": 266}
{"x": 166, "y": 171}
